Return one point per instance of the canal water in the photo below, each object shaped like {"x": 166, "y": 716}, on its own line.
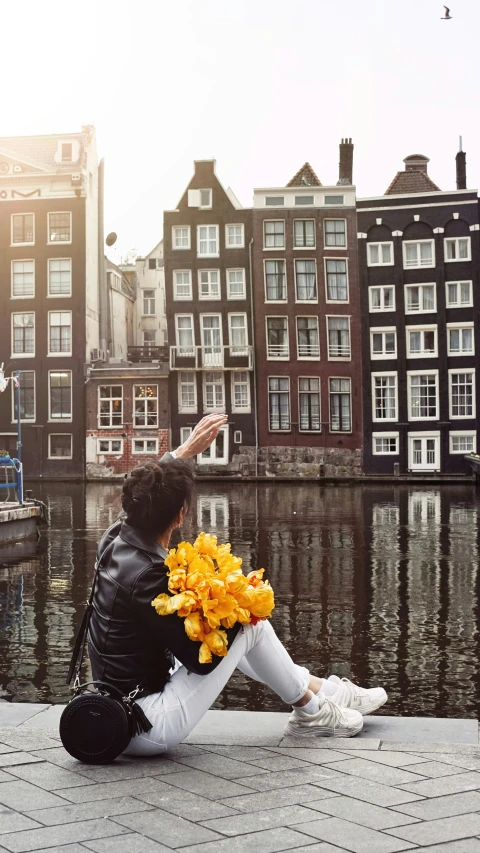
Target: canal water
{"x": 376, "y": 583}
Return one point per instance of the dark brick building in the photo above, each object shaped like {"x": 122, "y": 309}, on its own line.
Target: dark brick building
{"x": 419, "y": 255}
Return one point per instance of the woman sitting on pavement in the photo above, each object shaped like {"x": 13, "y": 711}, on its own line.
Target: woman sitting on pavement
{"x": 130, "y": 646}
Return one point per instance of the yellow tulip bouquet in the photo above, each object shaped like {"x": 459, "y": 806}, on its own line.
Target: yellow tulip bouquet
{"x": 209, "y": 591}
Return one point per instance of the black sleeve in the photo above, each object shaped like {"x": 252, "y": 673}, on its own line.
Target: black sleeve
{"x": 168, "y": 631}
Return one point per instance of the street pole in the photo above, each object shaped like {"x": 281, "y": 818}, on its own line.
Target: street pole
{"x": 19, "y": 471}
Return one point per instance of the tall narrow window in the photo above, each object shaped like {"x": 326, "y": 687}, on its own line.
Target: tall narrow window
{"x": 185, "y": 339}
{"x": 274, "y": 234}
{"x": 110, "y": 405}
{"x": 309, "y": 404}
{"x": 187, "y": 391}
{"x": 237, "y": 326}
{"x": 423, "y": 388}
{"x": 213, "y": 391}
{"x": 306, "y": 281}
{"x": 384, "y": 397}
{"x": 304, "y": 234}
{"x": 145, "y": 405}
{"x": 340, "y": 405}
{"x": 60, "y": 332}
{"x": 209, "y": 284}
{"x": 27, "y": 396}
{"x": 59, "y": 276}
{"x": 236, "y": 284}
{"x": 337, "y": 282}
{"x": 149, "y": 302}
{"x": 308, "y": 346}
{"x": 279, "y": 404}
{"x": 212, "y": 352}
{"x": 462, "y": 394}
{"x": 23, "y": 328}
{"x": 23, "y": 229}
{"x": 335, "y": 232}
{"x": 23, "y": 278}
{"x": 60, "y": 227}
{"x": 182, "y": 284}
{"x": 240, "y": 391}
{"x": 276, "y": 288}
{"x": 207, "y": 240}
{"x": 60, "y": 395}
{"x": 234, "y": 236}
{"x": 277, "y": 338}
{"x": 338, "y": 337}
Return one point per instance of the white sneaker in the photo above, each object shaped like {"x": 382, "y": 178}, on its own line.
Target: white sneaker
{"x": 329, "y": 721}
{"x": 349, "y": 695}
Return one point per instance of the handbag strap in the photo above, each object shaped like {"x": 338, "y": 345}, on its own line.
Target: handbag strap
{"x": 78, "y": 653}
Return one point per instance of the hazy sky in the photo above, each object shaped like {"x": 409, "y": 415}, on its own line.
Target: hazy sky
{"x": 260, "y": 85}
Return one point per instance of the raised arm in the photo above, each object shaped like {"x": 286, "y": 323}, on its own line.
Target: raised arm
{"x": 202, "y": 436}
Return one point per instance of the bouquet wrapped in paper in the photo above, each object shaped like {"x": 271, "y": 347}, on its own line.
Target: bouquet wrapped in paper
{"x": 210, "y": 592}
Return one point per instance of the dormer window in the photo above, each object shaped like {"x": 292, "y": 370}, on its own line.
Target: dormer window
{"x": 205, "y": 198}
{"x": 67, "y": 152}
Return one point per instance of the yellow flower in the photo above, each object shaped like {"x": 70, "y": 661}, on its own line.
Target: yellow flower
{"x": 194, "y": 626}
{"x": 206, "y": 544}
{"x": 263, "y": 602}
{"x": 216, "y": 643}
{"x": 183, "y": 603}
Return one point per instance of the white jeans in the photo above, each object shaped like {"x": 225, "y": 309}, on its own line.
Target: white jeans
{"x": 256, "y": 651}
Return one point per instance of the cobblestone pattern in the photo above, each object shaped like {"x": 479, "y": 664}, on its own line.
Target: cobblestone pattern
{"x": 290, "y": 794}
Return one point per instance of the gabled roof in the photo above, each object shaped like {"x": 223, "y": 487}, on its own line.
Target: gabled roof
{"x": 39, "y": 151}
{"x": 411, "y": 181}
{"x": 305, "y": 177}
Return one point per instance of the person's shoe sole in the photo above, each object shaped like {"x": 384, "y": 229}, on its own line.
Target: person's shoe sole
{"x": 321, "y": 731}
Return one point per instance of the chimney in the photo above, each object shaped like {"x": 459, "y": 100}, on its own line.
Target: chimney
{"x": 345, "y": 168}
{"x": 461, "y": 164}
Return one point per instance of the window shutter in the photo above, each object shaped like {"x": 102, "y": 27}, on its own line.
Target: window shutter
{"x": 194, "y": 198}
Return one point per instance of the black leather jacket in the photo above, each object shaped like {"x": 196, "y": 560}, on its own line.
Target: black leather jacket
{"x": 129, "y": 644}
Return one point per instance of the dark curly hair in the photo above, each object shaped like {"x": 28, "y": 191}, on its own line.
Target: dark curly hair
{"x": 153, "y": 494}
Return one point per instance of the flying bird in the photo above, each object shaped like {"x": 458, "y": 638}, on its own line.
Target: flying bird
{"x": 447, "y": 16}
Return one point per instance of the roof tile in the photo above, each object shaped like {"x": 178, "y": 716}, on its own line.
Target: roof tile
{"x": 411, "y": 181}
{"x": 305, "y": 177}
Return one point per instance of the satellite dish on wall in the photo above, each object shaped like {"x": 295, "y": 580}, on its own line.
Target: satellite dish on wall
{"x": 111, "y": 239}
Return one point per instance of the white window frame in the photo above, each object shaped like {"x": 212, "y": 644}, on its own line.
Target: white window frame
{"x": 305, "y": 248}
{"x": 421, "y": 285}
{"x": 144, "y": 452}
{"x": 185, "y": 432}
{"x": 394, "y": 435}
{"x": 176, "y": 296}
{"x": 381, "y": 288}
{"x": 382, "y": 330}
{"x": 30, "y": 243}
{"x": 187, "y": 353}
{"x": 289, "y": 392}
{"x": 237, "y": 436}
{"x": 307, "y": 357}
{"x": 417, "y": 266}
{"x": 330, "y": 357}
{"x": 460, "y": 327}
{"x": 460, "y": 433}
{"x": 209, "y": 297}
{"x": 455, "y": 240}
{"x": 220, "y": 460}
{"x": 228, "y": 244}
{"x": 334, "y": 201}
{"x": 205, "y": 206}
{"x": 336, "y": 301}
{"x": 243, "y": 351}
{"x": 21, "y": 261}
{"x": 110, "y": 452}
{"x": 135, "y": 399}
{"x": 182, "y": 228}
{"x": 22, "y": 354}
{"x": 274, "y": 201}
{"x": 319, "y": 392}
{"x": 468, "y": 304}
{"x": 451, "y": 372}
{"x": 51, "y": 295}
{"x": 60, "y": 353}
{"x": 380, "y": 375}
{"x": 110, "y": 425}
{"x": 305, "y": 301}
{"x": 380, "y": 244}
{"x": 234, "y": 376}
{"x": 285, "y": 357}
{"x": 150, "y": 300}
{"x": 422, "y": 328}
{"x": 59, "y": 242}
{"x": 410, "y": 374}
{"x": 435, "y": 434}
{"x": 222, "y": 407}
{"x": 233, "y": 296}
{"x": 274, "y": 248}
{"x": 275, "y": 301}
{"x": 65, "y": 420}
{"x": 12, "y": 385}
{"x": 217, "y": 357}
{"x": 330, "y": 394}
{"x": 59, "y": 458}
{"x": 217, "y": 241}
{"x": 336, "y": 247}
{"x": 181, "y": 407}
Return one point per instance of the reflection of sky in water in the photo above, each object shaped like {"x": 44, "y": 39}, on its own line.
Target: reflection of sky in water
{"x": 375, "y": 582}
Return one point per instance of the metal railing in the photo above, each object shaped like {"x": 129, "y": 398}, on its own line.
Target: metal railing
{"x": 147, "y": 353}
{"x": 221, "y": 357}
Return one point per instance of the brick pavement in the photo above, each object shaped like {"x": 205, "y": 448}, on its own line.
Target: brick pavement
{"x": 364, "y": 795}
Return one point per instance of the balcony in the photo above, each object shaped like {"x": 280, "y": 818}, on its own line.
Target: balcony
{"x": 211, "y": 358}
{"x": 339, "y": 351}
{"x": 147, "y": 354}
{"x": 309, "y": 351}
{"x": 278, "y": 351}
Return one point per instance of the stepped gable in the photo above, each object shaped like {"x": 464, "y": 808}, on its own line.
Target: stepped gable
{"x": 305, "y": 177}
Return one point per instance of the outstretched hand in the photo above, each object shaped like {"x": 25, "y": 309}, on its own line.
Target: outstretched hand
{"x": 202, "y": 436}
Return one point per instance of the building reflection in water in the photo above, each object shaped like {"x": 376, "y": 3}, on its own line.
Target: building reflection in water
{"x": 377, "y": 583}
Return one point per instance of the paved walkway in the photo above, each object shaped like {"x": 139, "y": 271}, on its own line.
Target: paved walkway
{"x": 237, "y": 785}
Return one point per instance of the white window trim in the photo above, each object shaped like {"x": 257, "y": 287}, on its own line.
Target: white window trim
{"x": 422, "y": 418}
{"x": 181, "y": 248}
{"x": 468, "y": 304}
{"x": 417, "y": 266}
{"x": 109, "y": 426}
{"x": 21, "y": 261}
{"x": 425, "y": 434}
{"x": 235, "y": 245}
{"x": 471, "y": 433}
{"x": 306, "y": 248}
{"x": 336, "y": 301}
{"x": 230, "y": 336}
{"x": 383, "y": 310}
{"x": 59, "y": 458}
{"x": 421, "y": 327}
{"x": 242, "y": 409}
{"x": 380, "y": 263}
{"x": 457, "y": 260}
{"x": 218, "y": 461}
{"x": 395, "y": 435}
{"x": 177, "y": 337}
{"x": 460, "y": 326}
{"x": 16, "y": 245}
{"x": 319, "y": 392}
{"x": 209, "y": 298}
{"x": 59, "y": 242}
{"x": 12, "y": 385}
{"x": 187, "y": 409}
{"x": 236, "y": 295}
{"x": 59, "y": 295}
{"x": 208, "y": 254}
{"x": 177, "y": 298}
{"x": 277, "y": 357}
{"x": 335, "y": 204}
{"x": 215, "y": 369}
{"x": 453, "y": 417}
{"x": 381, "y": 373}
{"x": 23, "y": 354}
{"x": 59, "y": 354}
{"x": 109, "y": 452}
{"x": 305, "y": 301}
{"x": 275, "y": 248}
{"x": 338, "y": 317}
{"x": 150, "y": 299}
{"x": 236, "y": 434}
{"x": 205, "y": 206}
{"x": 209, "y": 409}
{"x": 289, "y": 392}
{"x": 144, "y": 439}
{"x": 275, "y": 301}
{"x": 421, "y": 284}
{"x": 307, "y": 357}
{"x": 339, "y": 431}
{"x": 136, "y": 399}
{"x": 281, "y": 200}
{"x": 60, "y": 420}
{"x": 334, "y": 248}
{"x": 380, "y": 330}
